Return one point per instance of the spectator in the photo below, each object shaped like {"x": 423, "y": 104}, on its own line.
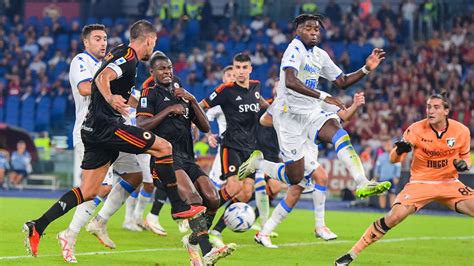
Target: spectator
{"x": 20, "y": 164}
{"x": 376, "y": 40}
{"x": 333, "y": 12}
{"x": 38, "y": 65}
{"x": 31, "y": 46}
{"x": 387, "y": 171}
{"x": 4, "y": 166}
{"x": 45, "y": 40}
{"x": 257, "y": 23}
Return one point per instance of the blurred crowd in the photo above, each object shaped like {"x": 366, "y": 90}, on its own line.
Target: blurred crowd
{"x": 425, "y": 54}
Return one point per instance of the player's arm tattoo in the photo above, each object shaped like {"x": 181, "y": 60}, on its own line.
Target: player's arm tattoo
{"x": 293, "y": 83}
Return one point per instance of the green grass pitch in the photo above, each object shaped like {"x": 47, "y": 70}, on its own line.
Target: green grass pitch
{"x": 420, "y": 240}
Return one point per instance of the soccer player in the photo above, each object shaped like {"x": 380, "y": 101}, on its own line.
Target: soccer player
{"x": 298, "y": 118}
{"x": 317, "y": 175}
{"x": 240, "y": 102}
{"x": 104, "y": 135}
{"x": 440, "y": 150}
{"x": 169, "y": 111}
{"x": 215, "y": 113}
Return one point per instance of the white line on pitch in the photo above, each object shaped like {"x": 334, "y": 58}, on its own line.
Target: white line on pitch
{"x": 296, "y": 244}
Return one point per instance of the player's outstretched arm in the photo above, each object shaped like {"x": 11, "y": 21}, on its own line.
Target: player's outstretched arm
{"x": 371, "y": 63}
{"x": 200, "y": 120}
{"x": 359, "y": 100}
{"x": 102, "y": 81}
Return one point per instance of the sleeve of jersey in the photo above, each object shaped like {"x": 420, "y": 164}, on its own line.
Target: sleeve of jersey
{"x": 123, "y": 62}
{"x": 79, "y": 72}
{"x": 146, "y": 104}
{"x": 292, "y": 59}
{"x": 466, "y": 148}
{"x": 410, "y": 136}
{"x": 215, "y": 98}
{"x": 330, "y": 70}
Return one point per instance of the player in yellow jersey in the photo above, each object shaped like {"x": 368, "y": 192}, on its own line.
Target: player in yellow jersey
{"x": 440, "y": 150}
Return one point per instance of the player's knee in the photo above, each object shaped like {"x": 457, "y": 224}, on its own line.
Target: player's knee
{"x": 320, "y": 176}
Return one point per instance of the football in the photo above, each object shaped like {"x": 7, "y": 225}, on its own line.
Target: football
{"x": 239, "y": 217}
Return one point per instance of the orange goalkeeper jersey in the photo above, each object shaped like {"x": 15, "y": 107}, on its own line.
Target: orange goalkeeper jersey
{"x": 434, "y": 152}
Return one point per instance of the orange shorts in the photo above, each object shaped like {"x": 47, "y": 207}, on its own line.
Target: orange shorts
{"x": 420, "y": 194}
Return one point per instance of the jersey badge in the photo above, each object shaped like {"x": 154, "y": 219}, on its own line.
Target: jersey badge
{"x": 212, "y": 96}
{"x": 451, "y": 142}
{"x": 143, "y": 103}
{"x": 257, "y": 95}
{"x": 176, "y": 85}
{"x": 120, "y": 61}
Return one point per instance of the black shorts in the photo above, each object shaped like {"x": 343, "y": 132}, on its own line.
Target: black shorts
{"x": 231, "y": 159}
{"x": 190, "y": 166}
{"x": 123, "y": 138}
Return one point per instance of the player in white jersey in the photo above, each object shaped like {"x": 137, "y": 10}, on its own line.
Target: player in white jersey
{"x": 299, "y": 119}
{"x": 83, "y": 68}
{"x": 316, "y": 181}
{"x": 215, "y": 113}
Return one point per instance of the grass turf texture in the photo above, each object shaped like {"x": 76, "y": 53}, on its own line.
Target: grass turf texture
{"x": 420, "y": 240}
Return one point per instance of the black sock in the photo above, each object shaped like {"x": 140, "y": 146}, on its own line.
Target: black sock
{"x": 71, "y": 199}
{"x": 163, "y": 167}
{"x": 160, "y": 199}
{"x": 209, "y": 218}
{"x": 200, "y": 235}
{"x": 257, "y": 214}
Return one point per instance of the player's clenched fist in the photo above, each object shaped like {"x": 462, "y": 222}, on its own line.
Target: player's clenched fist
{"x": 460, "y": 165}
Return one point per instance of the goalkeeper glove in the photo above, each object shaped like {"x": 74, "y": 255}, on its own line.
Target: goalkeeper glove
{"x": 460, "y": 165}
{"x": 402, "y": 147}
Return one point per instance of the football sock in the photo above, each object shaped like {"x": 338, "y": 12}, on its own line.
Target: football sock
{"x": 375, "y": 231}
{"x": 347, "y": 154}
{"x": 130, "y": 205}
{"x": 117, "y": 196}
{"x": 163, "y": 167}
{"x": 209, "y": 215}
{"x": 261, "y": 198}
{"x": 278, "y": 215}
{"x": 143, "y": 199}
{"x": 82, "y": 215}
{"x": 319, "y": 201}
{"x": 71, "y": 199}
{"x": 274, "y": 171}
{"x": 200, "y": 235}
{"x": 160, "y": 199}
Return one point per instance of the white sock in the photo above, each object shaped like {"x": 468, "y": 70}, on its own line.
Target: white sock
{"x": 130, "y": 205}
{"x": 82, "y": 215}
{"x": 319, "y": 201}
{"x": 278, "y": 215}
{"x": 261, "y": 198}
{"x": 274, "y": 170}
{"x": 116, "y": 198}
{"x": 346, "y": 153}
{"x": 143, "y": 199}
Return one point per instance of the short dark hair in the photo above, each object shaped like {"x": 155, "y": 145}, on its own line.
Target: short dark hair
{"x": 158, "y": 57}
{"x": 241, "y": 57}
{"x": 443, "y": 96}
{"x": 141, "y": 28}
{"x": 227, "y": 68}
{"x": 87, "y": 29}
{"x": 301, "y": 19}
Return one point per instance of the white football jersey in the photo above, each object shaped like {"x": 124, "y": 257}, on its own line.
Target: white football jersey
{"x": 216, "y": 113}
{"x": 82, "y": 69}
{"x": 310, "y": 64}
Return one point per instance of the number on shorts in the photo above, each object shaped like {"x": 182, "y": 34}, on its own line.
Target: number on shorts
{"x": 465, "y": 191}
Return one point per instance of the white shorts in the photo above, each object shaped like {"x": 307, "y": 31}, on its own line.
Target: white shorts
{"x": 216, "y": 171}
{"x": 144, "y": 162}
{"x": 126, "y": 163}
{"x": 295, "y": 131}
{"x": 78, "y": 157}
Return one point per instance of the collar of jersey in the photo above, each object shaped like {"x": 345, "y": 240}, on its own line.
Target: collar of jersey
{"x": 438, "y": 135}
{"x": 91, "y": 56}
{"x": 299, "y": 39}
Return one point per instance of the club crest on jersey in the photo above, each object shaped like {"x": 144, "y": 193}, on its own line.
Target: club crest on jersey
{"x": 146, "y": 135}
{"x": 176, "y": 85}
{"x": 232, "y": 168}
{"x": 143, "y": 103}
{"x": 451, "y": 142}
{"x": 257, "y": 95}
